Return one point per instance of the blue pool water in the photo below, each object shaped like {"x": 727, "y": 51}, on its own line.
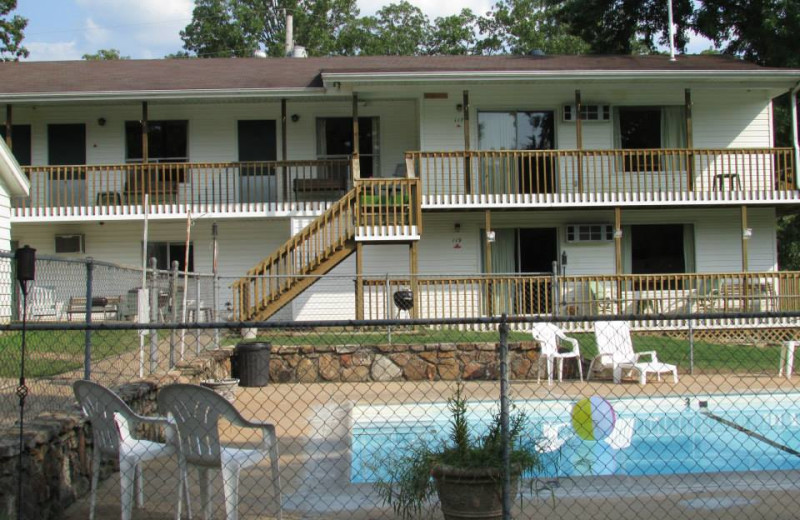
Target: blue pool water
{"x": 654, "y": 436}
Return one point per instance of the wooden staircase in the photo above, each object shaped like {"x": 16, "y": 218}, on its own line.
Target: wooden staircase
{"x": 375, "y": 210}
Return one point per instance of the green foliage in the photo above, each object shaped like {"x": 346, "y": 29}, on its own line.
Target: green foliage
{"x": 624, "y": 26}
{"x": 221, "y": 28}
{"x": 762, "y": 31}
{"x": 410, "y": 488}
{"x": 454, "y": 34}
{"x": 180, "y": 55}
{"x": 399, "y": 29}
{"x": 11, "y": 32}
{"x": 789, "y": 243}
{"x": 522, "y": 26}
{"x": 105, "y": 54}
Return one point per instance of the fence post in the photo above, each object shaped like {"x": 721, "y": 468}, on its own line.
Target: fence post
{"x": 504, "y": 426}
{"x": 153, "y": 316}
{"x": 196, "y": 313}
{"x": 173, "y": 297}
{"x": 691, "y": 347}
{"x": 554, "y": 290}
{"x": 215, "y": 306}
{"x": 87, "y": 348}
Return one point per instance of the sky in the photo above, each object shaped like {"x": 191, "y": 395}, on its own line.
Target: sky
{"x": 145, "y": 29}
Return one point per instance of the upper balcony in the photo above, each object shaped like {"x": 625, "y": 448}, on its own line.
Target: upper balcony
{"x": 449, "y": 180}
{"x": 173, "y": 189}
{"x": 564, "y": 178}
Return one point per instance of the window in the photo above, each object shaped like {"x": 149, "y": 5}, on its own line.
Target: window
{"x": 335, "y": 140}
{"x": 647, "y": 128}
{"x": 257, "y": 142}
{"x": 20, "y": 142}
{"x": 166, "y": 141}
{"x": 167, "y": 252}
{"x": 658, "y": 248}
{"x": 70, "y": 244}
{"x": 66, "y": 144}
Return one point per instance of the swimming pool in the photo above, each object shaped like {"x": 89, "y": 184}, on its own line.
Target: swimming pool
{"x": 652, "y": 436}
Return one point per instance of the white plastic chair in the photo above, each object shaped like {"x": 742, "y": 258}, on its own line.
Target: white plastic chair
{"x": 615, "y": 350}
{"x": 548, "y": 335}
{"x": 111, "y": 421}
{"x": 196, "y": 412}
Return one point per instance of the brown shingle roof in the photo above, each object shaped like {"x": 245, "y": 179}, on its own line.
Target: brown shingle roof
{"x": 286, "y": 73}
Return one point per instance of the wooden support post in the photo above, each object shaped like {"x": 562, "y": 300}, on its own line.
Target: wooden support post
{"x": 413, "y": 259}
{"x": 687, "y": 99}
{"x": 9, "y": 126}
{"x": 356, "y": 160}
{"x": 618, "y": 239}
{"x": 284, "y": 151}
{"x": 579, "y": 137}
{"x": 746, "y": 232}
{"x": 467, "y": 162}
{"x": 145, "y": 131}
{"x": 360, "y": 281}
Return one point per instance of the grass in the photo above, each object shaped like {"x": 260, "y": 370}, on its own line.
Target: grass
{"x": 54, "y": 352}
{"x": 708, "y": 357}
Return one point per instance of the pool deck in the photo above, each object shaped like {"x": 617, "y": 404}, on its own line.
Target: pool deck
{"x": 313, "y": 424}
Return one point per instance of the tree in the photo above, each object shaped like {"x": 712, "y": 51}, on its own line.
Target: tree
{"x": 522, "y": 26}
{"x": 619, "y": 26}
{"x": 762, "y": 31}
{"x": 222, "y": 28}
{"x": 11, "y": 32}
{"x": 454, "y": 34}
{"x": 396, "y": 30}
{"x": 105, "y": 54}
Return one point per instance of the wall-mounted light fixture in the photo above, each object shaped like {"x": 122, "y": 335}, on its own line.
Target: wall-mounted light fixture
{"x": 747, "y": 233}
{"x": 101, "y": 121}
{"x": 459, "y": 107}
{"x": 457, "y": 227}
{"x": 295, "y": 118}
{"x": 617, "y": 233}
{"x": 490, "y": 236}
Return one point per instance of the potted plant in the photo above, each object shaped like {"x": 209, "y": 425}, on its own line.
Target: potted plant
{"x": 465, "y": 471}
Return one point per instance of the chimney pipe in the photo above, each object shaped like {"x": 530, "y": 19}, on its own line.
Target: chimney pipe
{"x": 289, "y": 34}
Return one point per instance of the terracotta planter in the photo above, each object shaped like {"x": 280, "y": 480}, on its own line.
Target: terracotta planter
{"x": 224, "y": 387}
{"x": 474, "y": 493}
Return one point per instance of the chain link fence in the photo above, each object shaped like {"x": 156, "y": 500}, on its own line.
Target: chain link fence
{"x": 690, "y": 415}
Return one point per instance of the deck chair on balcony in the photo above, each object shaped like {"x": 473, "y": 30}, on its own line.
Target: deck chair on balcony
{"x": 196, "y": 412}
{"x": 615, "y": 351}
{"x": 112, "y": 435}
{"x": 548, "y": 335}
{"x": 603, "y": 298}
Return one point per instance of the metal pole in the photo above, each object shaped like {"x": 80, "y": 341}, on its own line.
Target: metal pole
{"x": 388, "y": 300}
{"x": 87, "y": 347}
{"x": 153, "y": 316}
{"x": 173, "y": 297}
{"x": 691, "y": 347}
{"x": 554, "y": 289}
{"x": 215, "y": 281}
{"x": 504, "y": 420}
{"x": 197, "y": 313}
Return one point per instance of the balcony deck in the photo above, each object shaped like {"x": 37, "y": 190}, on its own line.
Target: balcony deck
{"x": 564, "y": 178}
{"x": 449, "y": 180}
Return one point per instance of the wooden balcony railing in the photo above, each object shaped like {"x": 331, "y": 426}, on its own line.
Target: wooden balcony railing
{"x": 389, "y": 207}
{"x": 227, "y": 187}
{"x": 635, "y": 174}
{"x": 717, "y": 294}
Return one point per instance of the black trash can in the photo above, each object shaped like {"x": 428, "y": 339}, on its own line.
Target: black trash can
{"x": 251, "y": 363}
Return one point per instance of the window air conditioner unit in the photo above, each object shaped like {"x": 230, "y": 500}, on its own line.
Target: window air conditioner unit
{"x": 588, "y": 113}
{"x": 590, "y": 233}
{"x": 69, "y": 244}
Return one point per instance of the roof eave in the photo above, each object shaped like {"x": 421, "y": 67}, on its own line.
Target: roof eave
{"x": 154, "y": 95}
{"x": 11, "y": 173}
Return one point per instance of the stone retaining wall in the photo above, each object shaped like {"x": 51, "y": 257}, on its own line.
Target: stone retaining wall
{"x": 57, "y": 451}
{"x": 361, "y": 363}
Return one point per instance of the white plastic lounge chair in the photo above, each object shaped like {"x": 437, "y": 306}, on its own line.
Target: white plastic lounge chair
{"x": 112, "y": 420}
{"x": 622, "y": 434}
{"x": 548, "y": 336}
{"x": 615, "y": 350}
{"x": 196, "y": 411}
{"x": 551, "y": 439}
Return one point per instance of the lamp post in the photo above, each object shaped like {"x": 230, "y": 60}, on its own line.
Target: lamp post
{"x": 26, "y": 272}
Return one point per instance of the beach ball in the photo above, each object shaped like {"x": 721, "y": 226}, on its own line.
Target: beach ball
{"x": 593, "y": 418}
